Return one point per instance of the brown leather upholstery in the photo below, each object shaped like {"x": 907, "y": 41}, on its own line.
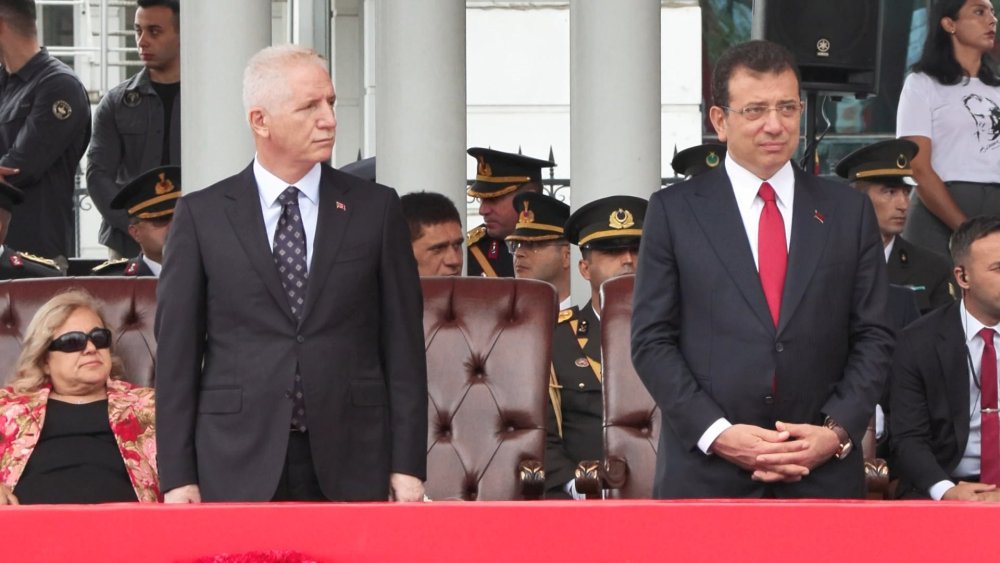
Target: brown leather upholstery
{"x": 489, "y": 347}
{"x": 128, "y": 304}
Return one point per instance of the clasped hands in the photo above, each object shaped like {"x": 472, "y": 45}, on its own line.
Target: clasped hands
{"x": 786, "y": 454}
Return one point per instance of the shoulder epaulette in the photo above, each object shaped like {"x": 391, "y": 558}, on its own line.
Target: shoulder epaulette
{"x": 566, "y": 314}
{"x": 475, "y": 235}
{"x": 38, "y": 260}
{"x": 112, "y": 262}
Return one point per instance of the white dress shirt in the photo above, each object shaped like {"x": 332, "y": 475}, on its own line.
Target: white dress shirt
{"x": 969, "y": 465}
{"x": 269, "y": 187}
{"x": 745, "y": 188}
{"x": 154, "y": 266}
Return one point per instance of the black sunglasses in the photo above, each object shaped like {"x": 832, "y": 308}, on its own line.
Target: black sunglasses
{"x": 76, "y": 341}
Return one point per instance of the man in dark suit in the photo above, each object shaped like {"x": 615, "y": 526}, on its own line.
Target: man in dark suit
{"x": 499, "y": 177}
{"x": 292, "y": 369}
{"x": 945, "y": 433}
{"x": 882, "y": 172}
{"x": 608, "y": 231}
{"x": 759, "y": 310}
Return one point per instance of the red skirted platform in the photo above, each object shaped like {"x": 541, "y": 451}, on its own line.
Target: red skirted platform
{"x": 547, "y": 532}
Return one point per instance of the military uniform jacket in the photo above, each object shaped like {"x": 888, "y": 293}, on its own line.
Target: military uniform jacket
{"x": 926, "y": 273}
{"x": 44, "y": 131}
{"x": 16, "y": 265}
{"x": 127, "y": 141}
{"x": 123, "y": 267}
{"x": 488, "y": 256}
{"x": 576, "y": 364}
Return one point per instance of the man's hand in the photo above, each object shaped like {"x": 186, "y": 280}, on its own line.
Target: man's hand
{"x": 817, "y": 445}
{"x": 965, "y": 490}
{"x": 405, "y": 488}
{"x": 742, "y": 444}
{"x": 181, "y": 495}
{"x": 7, "y": 171}
{"x": 7, "y": 497}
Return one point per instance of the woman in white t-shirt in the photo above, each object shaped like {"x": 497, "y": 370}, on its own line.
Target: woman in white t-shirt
{"x": 950, "y": 107}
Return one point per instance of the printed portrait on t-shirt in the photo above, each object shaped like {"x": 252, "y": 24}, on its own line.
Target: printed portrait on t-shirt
{"x": 987, "y": 115}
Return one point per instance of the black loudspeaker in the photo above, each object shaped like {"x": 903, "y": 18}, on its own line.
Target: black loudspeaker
{"x": 837, "y": 43}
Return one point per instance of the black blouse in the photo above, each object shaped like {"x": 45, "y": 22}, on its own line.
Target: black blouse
{"x": 76, "y": 460}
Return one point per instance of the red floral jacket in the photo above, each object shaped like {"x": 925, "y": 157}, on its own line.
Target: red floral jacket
{"x": 130, "y": 410}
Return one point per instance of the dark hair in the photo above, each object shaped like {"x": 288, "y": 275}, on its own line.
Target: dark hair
{"x": 938, "y": 58}
{"x": 969, "y": 232}
{"x": 20, "y": 15}
{"x": 427, "y": 208}
{"x": 757, "y": 56}
{"x": 174, "y": 5}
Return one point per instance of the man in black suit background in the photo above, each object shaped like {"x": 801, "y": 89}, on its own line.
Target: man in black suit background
{"x": 290, "y": 361}
{"x": 944, "y": 382}
{"x": 760, "y": 303}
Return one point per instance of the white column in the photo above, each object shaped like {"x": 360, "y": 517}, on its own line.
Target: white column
{"x": 216, "y": 140}
{"x": 614, "y": 101}
{"x": 349, "y": 78}
{"x": 420, "y": 130}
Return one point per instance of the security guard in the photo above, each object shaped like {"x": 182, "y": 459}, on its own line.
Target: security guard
{"x": 149, "y": 201}
{"x": 698, "y": 159}
{"x": 44, "y": 130}
{"x": 882, "y": 170}
{"x": 499, "y": 176}
{"x": 16, "y": 265}
{"x": 537, "y": 244}
{"x": 608, "y": 232}
{"x": 138, "y": 123}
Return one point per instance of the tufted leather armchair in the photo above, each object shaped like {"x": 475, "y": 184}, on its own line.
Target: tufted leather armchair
{"x": 489, "y": 343}
{"x": 129, "y": 306}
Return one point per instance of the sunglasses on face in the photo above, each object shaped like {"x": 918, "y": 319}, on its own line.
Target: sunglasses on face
{"x": 76, "y": 341}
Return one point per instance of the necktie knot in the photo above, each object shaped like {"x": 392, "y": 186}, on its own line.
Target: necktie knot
{"x": 289, "y": 197}
{"x": 766, "y": 192}
{"x": 987, "y": 335}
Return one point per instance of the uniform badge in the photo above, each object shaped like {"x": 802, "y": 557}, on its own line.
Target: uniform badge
{"x": 582, "y": 362}
{"x": 62, "y": 110}
{"x": 526, "y": 216}
{"x": 483, "y": 169}
{"x": 164, "y": 186}
{"x": 621, "y": 219}
{"x": 712, "y": 160}
{"x": 901, "y": 161}
{"x": 16, "y": 261}
{"x": 132, "y": 269}
{"x": 494, "y": 250}
{"x": 818, "y": 216}
{"x": 582, "y": 328}
{"x": 903, "y": 257}
{"x": 132, "y": 99}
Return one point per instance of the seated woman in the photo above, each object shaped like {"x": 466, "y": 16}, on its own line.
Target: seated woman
{"x": 70, "y": 430}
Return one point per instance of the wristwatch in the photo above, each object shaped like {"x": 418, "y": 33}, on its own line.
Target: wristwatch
{"x": 846, "y": 445}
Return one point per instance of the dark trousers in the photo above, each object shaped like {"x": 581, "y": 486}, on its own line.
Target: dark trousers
{"x": 298, "y": 480}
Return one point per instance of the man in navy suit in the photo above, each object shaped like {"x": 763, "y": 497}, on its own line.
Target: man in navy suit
{"x": 759, "y": 315}
{"x": 290, "y": 361}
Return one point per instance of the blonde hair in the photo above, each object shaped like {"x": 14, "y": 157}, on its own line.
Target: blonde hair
{"x": 29, "y": 374}
{"x": 265, "y": 81}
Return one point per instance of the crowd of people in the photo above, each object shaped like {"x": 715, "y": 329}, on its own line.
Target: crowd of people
{"x": 775, "y": 313}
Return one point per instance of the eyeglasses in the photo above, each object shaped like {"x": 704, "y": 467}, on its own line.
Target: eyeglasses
{"x": 76, "y": 341}
{"x": 756, "y": 111}
{"x": 532, "y": 246}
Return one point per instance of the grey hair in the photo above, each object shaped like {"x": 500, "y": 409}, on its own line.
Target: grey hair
{"x": 264, "y": 80}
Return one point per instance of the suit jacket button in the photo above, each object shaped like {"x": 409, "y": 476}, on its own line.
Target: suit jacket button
{"x": 768, "y": 400}
{"x": 300, "y": 339}
{"x": 779, "y": 347}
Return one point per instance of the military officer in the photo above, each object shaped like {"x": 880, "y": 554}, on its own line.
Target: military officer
{"x": 149, "y": 201}
{"x": 13, "y": 264}
{"x": 499, "y": 176}
{"x": 608, "y": 232}
{"x": 698, "y": 159}
{"x": 537, "y": 244}
{"x": 882, "y": 170}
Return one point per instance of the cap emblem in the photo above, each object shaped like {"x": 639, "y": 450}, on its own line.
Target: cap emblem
{"x": 484, "y": 168}
{"x": 621, "y": 219}
{"x": 712, "y": 160}
{"x": 526, "y": 216}
{"x": 901, "y": 161}
{"x": 164, "y": 185}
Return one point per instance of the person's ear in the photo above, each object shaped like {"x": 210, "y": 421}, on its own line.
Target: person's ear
{"x": 717, "y": 116}
{"x": 584, "y": 269}
{"x": 257, "y": 118}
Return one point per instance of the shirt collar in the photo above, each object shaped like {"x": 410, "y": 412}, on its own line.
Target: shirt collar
{"x": 971, "y": 324}
{"x": 746, "y": 183}
{"x": 270, "y": 186}
{"x": 32, "y": 66}
{"x": 888, "y": 248}
{"x": 154, "y": 267}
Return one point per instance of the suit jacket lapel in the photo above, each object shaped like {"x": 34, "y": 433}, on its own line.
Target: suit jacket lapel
{"x": 334, "y": 214}
{"x": 248, "y": 222}
{"x": 809, "y": 233}
{"x": 714, "y": 207}
{"x": 952, "y": 352}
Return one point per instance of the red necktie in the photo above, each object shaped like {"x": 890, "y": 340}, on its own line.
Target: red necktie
{"x": 772, "y": 252}
{"x": 989, "y": 462}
